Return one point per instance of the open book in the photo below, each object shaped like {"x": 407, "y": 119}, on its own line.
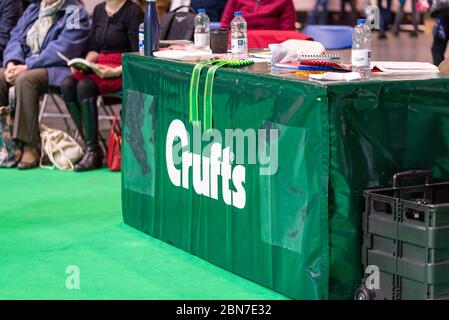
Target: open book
{"x": 402, "y": 68}
{"x": 79, "y": 64}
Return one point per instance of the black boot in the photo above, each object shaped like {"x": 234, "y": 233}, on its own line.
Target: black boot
{"x": 93, "y": 157}
{"x": 75, "y": 113}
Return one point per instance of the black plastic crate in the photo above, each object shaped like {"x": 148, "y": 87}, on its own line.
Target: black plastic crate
{"x": 406, "y": 235}
{"x": 404, "y": 278}
{"x": 420, "y": 216}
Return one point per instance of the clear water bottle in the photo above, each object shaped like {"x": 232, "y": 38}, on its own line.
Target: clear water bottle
{"x": 239, "y": 39}
{"x": 361, "y": 49}
{"x": 202, "y": 31}
{"x": 151, "y": 28}
{"x": 142, "y": 39}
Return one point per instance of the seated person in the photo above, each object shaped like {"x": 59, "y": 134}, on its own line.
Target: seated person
{"x": 319, "y": 13}
{"x": 262, "y": 14}
{"x": 32, "y": 64}
{"x": 214, "y": 8}
{"x": 115, "y": 30}
{"x": 10, "y": 11}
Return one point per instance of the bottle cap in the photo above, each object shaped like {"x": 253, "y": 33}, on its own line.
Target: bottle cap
{"x": 201, "y": 10}
{"x": 361, "y": 21}
{"x": 238, "y": 14}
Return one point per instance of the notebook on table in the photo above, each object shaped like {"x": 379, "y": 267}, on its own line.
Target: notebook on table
{"x": 402, "y": 68}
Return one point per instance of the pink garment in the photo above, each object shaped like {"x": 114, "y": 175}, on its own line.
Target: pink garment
{"x": 262, "y": 14}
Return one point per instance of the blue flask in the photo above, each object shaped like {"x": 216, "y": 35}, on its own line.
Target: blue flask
{"x": 151, "y": 28}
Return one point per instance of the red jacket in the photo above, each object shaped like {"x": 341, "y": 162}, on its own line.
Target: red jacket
{"x": 262, "y": 14}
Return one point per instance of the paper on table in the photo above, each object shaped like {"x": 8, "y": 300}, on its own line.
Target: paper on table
{"x": 336, "y": 76}
{"x": 258, "y": 60}
{"x": 400, "y": 67}
{"x": 193, "y": 56}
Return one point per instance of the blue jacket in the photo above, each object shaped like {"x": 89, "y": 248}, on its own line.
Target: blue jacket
{"x": 9, "y": 15}
{"x": 62, "y": 36}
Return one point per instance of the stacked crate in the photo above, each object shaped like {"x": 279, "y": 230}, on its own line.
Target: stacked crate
{"x": 406, "y": 235}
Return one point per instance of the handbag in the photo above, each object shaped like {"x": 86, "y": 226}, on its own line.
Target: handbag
{"x": 10, "y": 150}
{"x": 60, "y": 149}
{"x": 440, "y": 8}
{"x": 178, "y": 25}
{"x": 115, "y": 147}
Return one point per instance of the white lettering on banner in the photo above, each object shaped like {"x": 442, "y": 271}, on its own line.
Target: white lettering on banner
{"x": 208, "y": 164}
{"x": 205, "y": 170}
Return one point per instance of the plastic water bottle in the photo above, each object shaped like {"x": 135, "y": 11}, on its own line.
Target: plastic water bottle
{"x": 151, "y": 25}
{"x": 239, "y": 39}
{"x": 202, "y": 31}
{"x": 142, "y": 39}
{"x": 361, "y": 49}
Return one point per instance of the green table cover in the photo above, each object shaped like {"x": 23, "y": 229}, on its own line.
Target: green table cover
{"x": 291, "y": 223}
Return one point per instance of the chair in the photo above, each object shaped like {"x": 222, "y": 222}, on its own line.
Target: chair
{"x": 332, "y": 37}
{"x": 52, "y": 95}
{"x": 105, "y": 103}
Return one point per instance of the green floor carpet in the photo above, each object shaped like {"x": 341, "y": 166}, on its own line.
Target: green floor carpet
{"x": 50, "y": 220}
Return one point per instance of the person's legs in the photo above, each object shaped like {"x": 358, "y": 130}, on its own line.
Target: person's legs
{"x": 69, "y": 89}
{"x": 385, "y": 16}
{"x": 352, "y": 14}
{"x": 29, "y": 86}
{"x": 382, "y": 19}
{"x": 315, "y": 12}
{"x": 415, "y": 18}
{"x": 87, "y": 98}
{"x": 320, "y": 10}
{"x": 399, "y": 17}
{"x": 388, "y": 14}
{"x": 342, "y": 10}
{"x": 324, "y": 12}
{"x": 353, "y": 4}
{"x": 4, "y": 89}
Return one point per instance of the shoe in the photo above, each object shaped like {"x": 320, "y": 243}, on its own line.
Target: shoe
{"x": 93, "y": 158}
{"x": 28, "y": 165}
{"x": 382, "y": 36}
{"x": 396, "y": 33}
{"x": 414, "y": 34}
{"x": 25, "y": 165}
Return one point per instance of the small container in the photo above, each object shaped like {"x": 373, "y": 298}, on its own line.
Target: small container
{"x": 219, "y": 40}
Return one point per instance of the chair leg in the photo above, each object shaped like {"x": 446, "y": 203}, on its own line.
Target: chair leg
{"x": 61, "y": 111}
{"x": 43, "y": 107}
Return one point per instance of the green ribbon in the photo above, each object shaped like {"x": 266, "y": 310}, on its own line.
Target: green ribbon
{"x": 194, "y": 92}
{"x": 208, "y": 97}
{"x": 208, "y": 90}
